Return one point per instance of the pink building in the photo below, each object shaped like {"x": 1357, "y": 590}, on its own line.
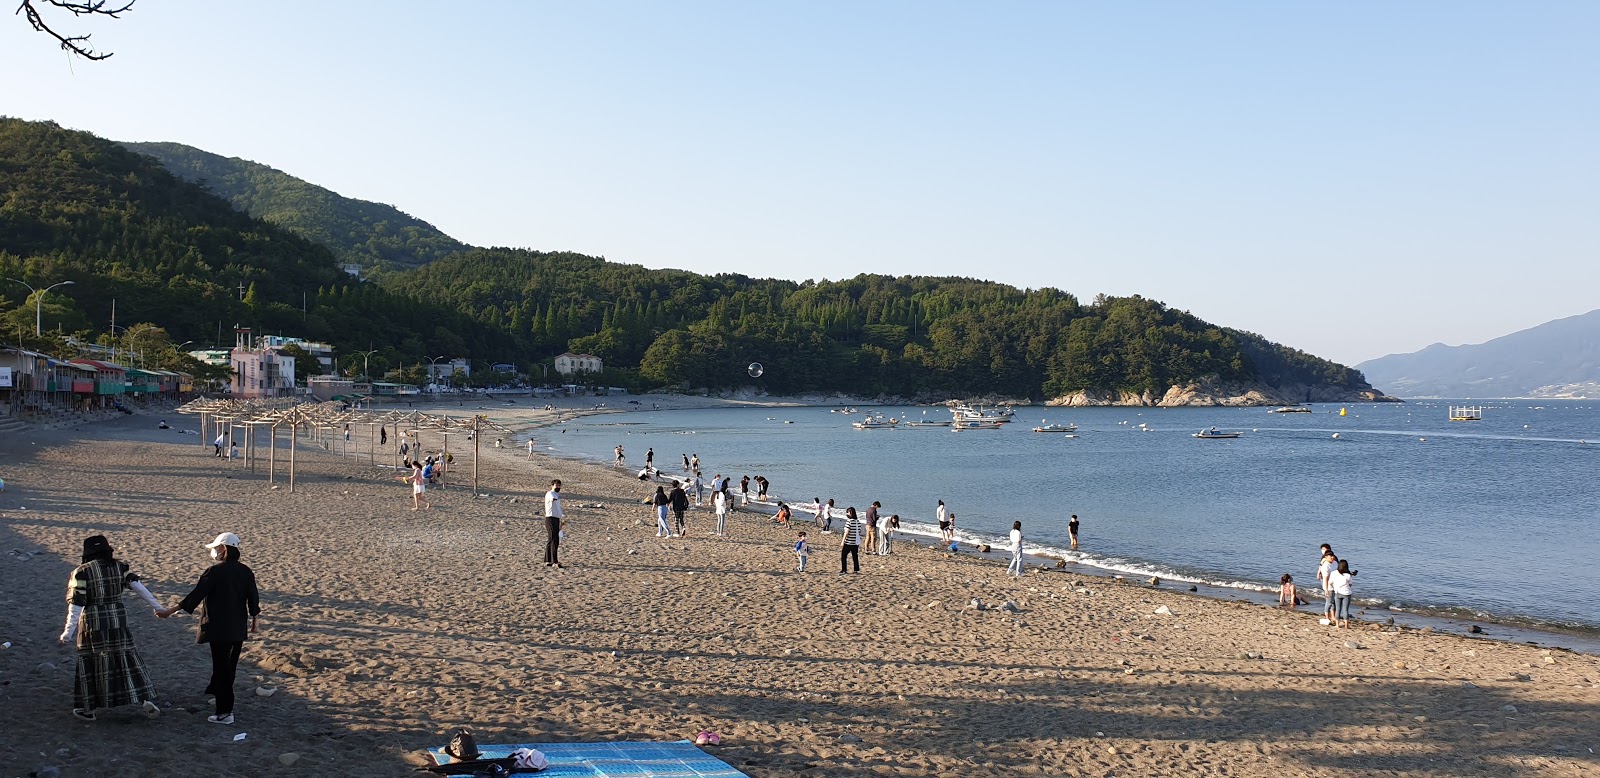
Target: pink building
{"x": 259, "y": 370}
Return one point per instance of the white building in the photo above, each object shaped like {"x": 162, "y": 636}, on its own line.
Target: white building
{"x": 322, "y": 351}
{"x": 439, "y": 373}
{"x": 570, "y": 363}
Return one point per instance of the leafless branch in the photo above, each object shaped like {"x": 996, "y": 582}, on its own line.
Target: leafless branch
{"x": 77, "y": 44}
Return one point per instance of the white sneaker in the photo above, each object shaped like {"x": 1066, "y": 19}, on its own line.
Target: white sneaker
{"x": 228, "y": 719}
{"x": 151, "y": 710}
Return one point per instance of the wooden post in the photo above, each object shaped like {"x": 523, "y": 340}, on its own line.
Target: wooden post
{"x": 272, "y": 452}
{"x": 477, "y": 443}
{"x": 294, "y": 436}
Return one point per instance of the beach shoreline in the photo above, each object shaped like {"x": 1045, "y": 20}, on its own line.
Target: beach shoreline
{"x": 386, "y": 628}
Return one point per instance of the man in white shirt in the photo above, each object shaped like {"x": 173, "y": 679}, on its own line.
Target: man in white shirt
{"x": 552, "y": 525}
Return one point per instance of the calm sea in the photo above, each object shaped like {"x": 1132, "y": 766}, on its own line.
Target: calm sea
{"x": 1496, "y": 518}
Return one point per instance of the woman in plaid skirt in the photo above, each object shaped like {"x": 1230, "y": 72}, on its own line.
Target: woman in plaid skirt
{"x": 110, "y": 672}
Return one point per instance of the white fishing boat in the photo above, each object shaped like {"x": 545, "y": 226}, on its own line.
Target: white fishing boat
{"x": 1291, "y": 409}
{"x": 1215, "y": 434}
{"x": 998, "y": 415}
{"x": 1069, "y": 427}
{"x": 877, "y": 422}
{"x": 924, "y": 422}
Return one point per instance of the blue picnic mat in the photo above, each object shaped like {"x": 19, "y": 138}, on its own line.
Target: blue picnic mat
{"x": 632, "y": 759}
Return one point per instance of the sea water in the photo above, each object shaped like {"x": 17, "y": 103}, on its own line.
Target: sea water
{"x": 1494, "y": 518}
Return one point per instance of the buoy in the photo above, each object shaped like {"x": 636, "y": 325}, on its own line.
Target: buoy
{"x": 1335, "y": 436}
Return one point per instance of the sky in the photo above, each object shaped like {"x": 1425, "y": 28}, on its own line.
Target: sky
{"x": 1352, "y": 179}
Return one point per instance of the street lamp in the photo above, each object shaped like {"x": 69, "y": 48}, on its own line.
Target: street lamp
{"x": 366, "y": 363}
{"x": 432, "y": 376}
{"x": 38, "y": 305}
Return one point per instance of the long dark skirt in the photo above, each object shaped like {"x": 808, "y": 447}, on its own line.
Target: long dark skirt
{"x": 110, "y": 672}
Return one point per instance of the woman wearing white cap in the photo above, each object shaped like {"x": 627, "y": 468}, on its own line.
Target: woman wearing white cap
{"x": 226, "y": 594}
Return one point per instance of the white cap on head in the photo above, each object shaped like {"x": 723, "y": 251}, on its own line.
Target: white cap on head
{"x": 225, "y": 539}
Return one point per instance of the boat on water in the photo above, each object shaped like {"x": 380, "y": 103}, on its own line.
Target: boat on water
{"x": 927, "y": 423}
{"x": 1215, "y": 434}
{"x": 998, "y": 415}
{"x": 1465, "y": 413}
{"x": 877, "y": 422}
{"x": 960, "y": 424}
{"x": 844, "y": 410}
{"x": 1069, "y": 427}
{"x": 1291, "y": 409}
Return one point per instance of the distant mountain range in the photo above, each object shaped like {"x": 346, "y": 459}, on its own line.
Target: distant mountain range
{"x": 1553, "y": 360}
{"x": 372, "y": 235}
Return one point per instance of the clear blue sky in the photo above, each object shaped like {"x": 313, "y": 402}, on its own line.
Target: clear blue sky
{"x": 1352, "y": 179}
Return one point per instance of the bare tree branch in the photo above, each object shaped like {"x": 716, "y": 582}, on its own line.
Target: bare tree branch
{"x": 77, "y": 44}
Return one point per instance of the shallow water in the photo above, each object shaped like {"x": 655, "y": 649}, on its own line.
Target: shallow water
{"x": 1495, "y": 518}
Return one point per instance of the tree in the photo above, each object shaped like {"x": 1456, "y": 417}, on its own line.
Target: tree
{"x": 305, "y": 363}
{"x": 77, "y": 44}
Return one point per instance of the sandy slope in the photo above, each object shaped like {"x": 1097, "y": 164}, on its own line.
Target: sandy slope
{"x": 385, "y": 628}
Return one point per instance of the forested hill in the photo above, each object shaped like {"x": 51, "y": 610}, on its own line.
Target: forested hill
{"x": 118, "y": 224}
{"x": 869, "y": 335}
{"x": 121, "y": 227}
{"x": 359, "y": 232}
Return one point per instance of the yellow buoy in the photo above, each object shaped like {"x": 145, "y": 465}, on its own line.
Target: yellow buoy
{"x": 1341, "y": 412}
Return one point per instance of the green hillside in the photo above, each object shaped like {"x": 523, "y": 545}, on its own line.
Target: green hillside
{"x": 122, "y": 228}
{"x": 910, "y": 336}
{"x": 368, "y": 234}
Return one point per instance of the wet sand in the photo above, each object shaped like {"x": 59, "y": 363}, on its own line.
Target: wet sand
{"x": 385, "y": 628}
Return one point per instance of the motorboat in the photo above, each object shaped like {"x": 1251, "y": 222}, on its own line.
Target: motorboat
{"x": 1214, "y": 434}
{"x": 1056, "y": 427}
{"x": 924, "y": 422}
{"x": 1291, "y": 409}
{"x": 960, "y": 424}
{"x": 877, "y": 422}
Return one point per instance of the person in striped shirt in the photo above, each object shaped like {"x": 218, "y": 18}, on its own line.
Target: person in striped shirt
{"x": 850, "y": 548}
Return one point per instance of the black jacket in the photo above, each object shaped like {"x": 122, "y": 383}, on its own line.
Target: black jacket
{"x": 679, "y": 499}
{"x": 227, "y": 590}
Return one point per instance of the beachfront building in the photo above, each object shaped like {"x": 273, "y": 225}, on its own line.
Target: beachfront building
{"x": 322, "y": 351}
{"x": 215, "y": 357}
{"x": 330, "y": 387}
{"x": 259, "y": 370}
{"x": 570, "y": 363}
{"x": 440, "y": 373}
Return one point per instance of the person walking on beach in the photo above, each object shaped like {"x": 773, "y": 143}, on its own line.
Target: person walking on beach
{"x": 679, "y": 500}
{"x": 801, "y": 552}
{"x": 720, "y": 503}
{"x": 1072, "y": 531}
{"x": 552, "y": 525}
{"x": 827, "y": 517}
{"x": 699, "y": 489}
{"x": 383, "y": 436}
{"x": 872, "y": 527}
{"x": 222, "y": 437}
{"x": 230, "y": 611}
{"x": 943, "y": 515}
{"x": 109, "y": 670}
{"x": 1015, "y": 568}
{"x": 1342, "y": 582}
{"x": 419, "y": 486}
{"x": 744, "y": 491}
{"x": 850, "y": 543}
{"x": 661, "y": 502}
{"x": 816, "y": 510}
{"x": 620, "y": 458}
{"x": 530, "y": 449}
{"x": 886, "y": 527}
{"x": 649, "y": 458}
{"x": 1328, "y": 564}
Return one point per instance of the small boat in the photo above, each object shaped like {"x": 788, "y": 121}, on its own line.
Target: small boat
{"x": 1291, "y": 409}
{"x": 1213, "y": 434}
{"x": 925, "y": 423}
{"x": 877, "y": 422}
{"x": 1056, "y": 427}
{"x": 960, "y": 425}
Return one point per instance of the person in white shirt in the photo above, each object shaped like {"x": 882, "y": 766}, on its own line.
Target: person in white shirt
{"x": 720, "y": 501}
{"x": 826, "y": 517}
{"x": 885, "y": 529}
{"x": 552, "y": 525}
{"x": 1015, "y": 568}
{"x": 222, "y": 438}
{"x": 1328, "y": 564}
{"x": 530, "y": 449}
{"x": 943, "y": 516}
{"x": 1341, "y": 581}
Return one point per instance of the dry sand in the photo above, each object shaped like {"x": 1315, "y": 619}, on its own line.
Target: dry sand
{"x": 383, "y": 629}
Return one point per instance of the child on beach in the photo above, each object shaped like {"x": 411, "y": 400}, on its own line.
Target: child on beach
{"x": 1287, "y": 597}
{"x": 782, "y": 519}
{"x": 800, "y": 551}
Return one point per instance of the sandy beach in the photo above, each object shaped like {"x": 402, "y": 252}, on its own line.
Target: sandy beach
{"x": 384, "y": 629}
